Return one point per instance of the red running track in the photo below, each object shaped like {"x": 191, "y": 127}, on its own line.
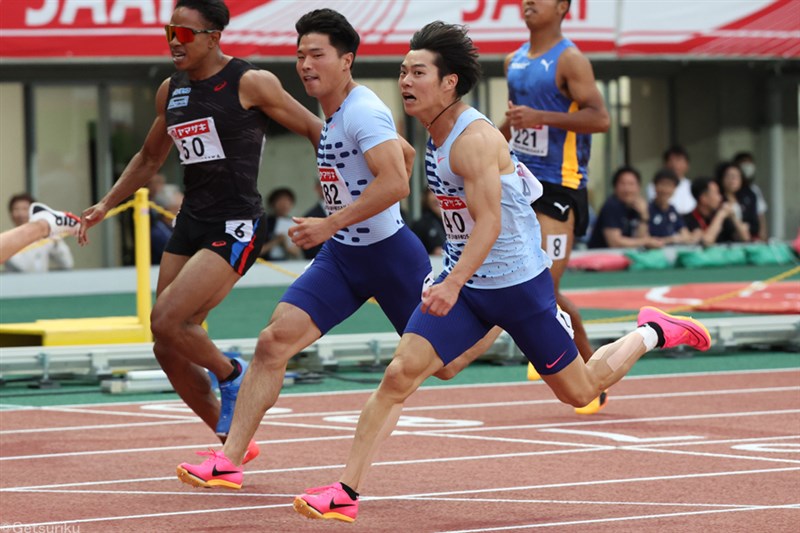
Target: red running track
{"x": 699, "y": 452}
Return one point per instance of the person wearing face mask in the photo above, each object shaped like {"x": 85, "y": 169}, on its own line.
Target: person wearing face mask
{"x": 751, "y": 192}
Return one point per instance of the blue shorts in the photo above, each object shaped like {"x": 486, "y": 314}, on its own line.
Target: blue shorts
{"x": 526, "y": 311}
{"x": 342, "y": 277}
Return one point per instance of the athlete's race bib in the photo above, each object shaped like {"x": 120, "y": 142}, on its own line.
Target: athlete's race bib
{"x": 530, "y": 141}
{"x": 335, "y": 193}
{"x": 531, "y": 187}
{"x": 242, "y": 230}
{"x": 457, "y": 221}
{"x": 197, "y": 141}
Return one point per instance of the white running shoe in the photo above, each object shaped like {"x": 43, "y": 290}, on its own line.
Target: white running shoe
{"x": 60, "y": 222}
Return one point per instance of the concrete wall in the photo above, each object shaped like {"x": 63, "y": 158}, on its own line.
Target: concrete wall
{"x": 12, "y": 146}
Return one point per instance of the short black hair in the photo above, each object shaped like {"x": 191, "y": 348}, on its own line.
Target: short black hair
{"x": 666, "y": 174}
{"x": 214, "y": 11}
{"x": 341, "y": 33}
{"x": 741, "y": 156}
{"x": 625, "y": 170}
{"x": 454, "y": 50}
{"x": 675, "y": 149}
{"x": 278, "y": 193}
{"x": 20, "y": 197}
{"x": 700, "y": 186}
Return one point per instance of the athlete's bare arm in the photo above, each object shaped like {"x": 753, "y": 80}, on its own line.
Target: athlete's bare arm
{"x": 575, "y": 79}
{"x": 505, "y": 127}
{"x": 263, "y": 90}
{"x": 408, "y": 155}
{"x": 386, "y": 163}
{"x": 479, "y": 155}
{"x": 139, "y": 170}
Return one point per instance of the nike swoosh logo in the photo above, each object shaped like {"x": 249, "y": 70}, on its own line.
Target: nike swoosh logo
{"x": 221, "y": 86}
{"x": 554, "y": 363}
{"x": 334, "y": 505}
{"x": 440, "y": 159}
{"x": 215, "y": 472}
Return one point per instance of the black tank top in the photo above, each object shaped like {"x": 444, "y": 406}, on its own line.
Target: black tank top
{"x": 219, "y": 144}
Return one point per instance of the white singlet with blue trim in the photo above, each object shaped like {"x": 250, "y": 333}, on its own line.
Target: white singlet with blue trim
{"x": 517, "y": 255}
{"x": 362, "y": 122}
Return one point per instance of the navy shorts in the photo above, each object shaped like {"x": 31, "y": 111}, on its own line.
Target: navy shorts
{"x": 526, "y": 311}
{"x": 237, "y": 241}
{"x": 342, "y": 277}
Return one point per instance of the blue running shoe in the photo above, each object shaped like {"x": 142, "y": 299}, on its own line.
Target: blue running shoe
{"x": 228, "y": 391}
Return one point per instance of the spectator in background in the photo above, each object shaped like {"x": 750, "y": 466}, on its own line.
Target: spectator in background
{"x": 279, "y": 246}
{"x": 751, "y": 192}
{"x": 169, "y": 198}
{"x": 665, "y": 222}
{"x": 730, "y": 181}
{"x": 54, "y": 252}
{"x": 155, "y": 186}
{"x": 623, "y": 220}
{"x": 317, "y": 211}
{"x": 712, "y": 220}
{"x": 676, "y": 158}
{"x": 429, "y": 226}
{"x": 43, "y": 222}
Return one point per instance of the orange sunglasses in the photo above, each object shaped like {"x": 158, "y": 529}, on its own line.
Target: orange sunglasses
{"x": 184, "y": 34}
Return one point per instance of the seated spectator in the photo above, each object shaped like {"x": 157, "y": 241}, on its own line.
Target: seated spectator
{"x": 623, "y": 220}
{"x": 169, "y": 198}
{"x": 279, "y": 246}
{"x": 730, "y": 181}
{"x": 676, "y": 158}
{"x": 751, "y": 192}
{"x": 53, "y": 253}
{"x": 429, "y": 226}
{"x": 665, "y": 222}
{"x": 316, "y": 211}
{"x": 713, "y": 221}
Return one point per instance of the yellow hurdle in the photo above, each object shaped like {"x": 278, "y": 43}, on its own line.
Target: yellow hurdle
{"x": 101, "y": 330}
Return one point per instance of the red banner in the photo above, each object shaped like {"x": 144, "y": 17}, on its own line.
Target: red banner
{"x": 48, "y": 29}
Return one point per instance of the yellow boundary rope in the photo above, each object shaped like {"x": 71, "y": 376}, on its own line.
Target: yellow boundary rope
{"x": 626, "y": 318}
{"x": 726, "y": 296}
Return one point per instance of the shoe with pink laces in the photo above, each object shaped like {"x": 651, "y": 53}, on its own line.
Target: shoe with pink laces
{"x": 330, "y": 502}
{"x": 216, "y": 471}
{"x": 676, "y": 330}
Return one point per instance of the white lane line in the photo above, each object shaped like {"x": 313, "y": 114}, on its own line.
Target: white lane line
{"x": 414, "y": 496}
{"x": 100, "y": 426}
{"x": 312, "y": 468}
{"x": 88, "y": 411}
{"x": 430, "y": 433}
{"x": 223, "y": 493}
{"x": 617, "y": 421}
{"x": 525, "y": 383}
{"x": 62, "y": 523}
{"x": 620, "y": 519}
{"x": 270, "y": 418}
{"x": 715, "y": 455}
{"x": 589, "y": 502}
